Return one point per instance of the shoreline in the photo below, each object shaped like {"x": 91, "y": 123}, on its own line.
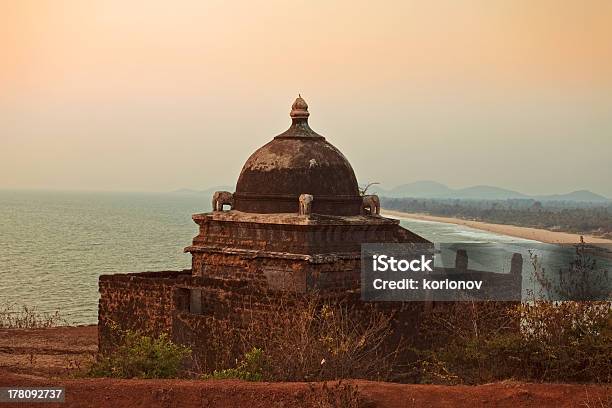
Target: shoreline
{"x": 536, "y": 234}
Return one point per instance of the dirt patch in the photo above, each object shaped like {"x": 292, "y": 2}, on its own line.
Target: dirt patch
{"x": 55, "y": 351}
{"x": 231, "y": 393}
{"x": 54, "y": 348}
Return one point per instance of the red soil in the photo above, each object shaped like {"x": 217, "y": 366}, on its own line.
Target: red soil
{"x": 38, "y": 357}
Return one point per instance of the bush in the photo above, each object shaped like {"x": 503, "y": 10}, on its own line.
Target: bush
{"x": 140, "y": 356}
{"x": 312, "y": 339}
{"x": 309, "y": 337}
{"x": 566, "y": 341}
{"x": 321, "y": 340}
{"x": 13, "y": 316}
{"x": 537, "y": 340}
{"x": 250, "y": 368}
{"x": 582, "y": 280}
{"x": 335, "y": 395}
{"x": 451, "y": 349}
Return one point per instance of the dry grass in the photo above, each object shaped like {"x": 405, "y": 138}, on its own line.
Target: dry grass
{"x": 335, "y": 395}
{"x": 567, "y": 341}
{"x": 13, "y": 316}
{"x": 307, "y": 338}
{"x": 537, "y": 340}
{"x": 310, "y": 338}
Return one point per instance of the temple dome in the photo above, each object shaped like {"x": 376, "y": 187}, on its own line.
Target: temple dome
{"x": 298, "y": 161}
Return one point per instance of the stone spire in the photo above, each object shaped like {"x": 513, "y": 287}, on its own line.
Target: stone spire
{"x": 299, "y": 109}
{"x": 299, "y": 122}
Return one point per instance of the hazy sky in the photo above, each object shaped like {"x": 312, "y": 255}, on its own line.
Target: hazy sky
{"x": 158, "y": 95}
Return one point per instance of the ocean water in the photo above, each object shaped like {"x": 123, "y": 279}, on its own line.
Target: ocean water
{"x": 54, "y": 245}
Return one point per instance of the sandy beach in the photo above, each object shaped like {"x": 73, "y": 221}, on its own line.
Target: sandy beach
{"x": 551, "y": 237}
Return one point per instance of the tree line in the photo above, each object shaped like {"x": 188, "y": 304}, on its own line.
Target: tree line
{"x": 576, "y": 217}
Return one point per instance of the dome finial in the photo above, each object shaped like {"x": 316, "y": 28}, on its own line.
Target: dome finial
{"x": 299, "y": 109}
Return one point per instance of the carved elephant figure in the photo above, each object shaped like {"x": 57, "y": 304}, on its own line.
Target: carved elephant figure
{"x": 306, "y": 204}
{"x": 370, "y": 205}
{"x": 220, "y": 198}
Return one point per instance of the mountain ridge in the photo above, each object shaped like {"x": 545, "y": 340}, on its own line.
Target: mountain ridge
{"x": 433, "y": 189}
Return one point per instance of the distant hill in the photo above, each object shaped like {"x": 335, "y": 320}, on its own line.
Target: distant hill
{"x": 420, "y": 189}
{"x": 580, "y": 195}
{"x": 432, "y": 189}
{"x": 487, "y": 193}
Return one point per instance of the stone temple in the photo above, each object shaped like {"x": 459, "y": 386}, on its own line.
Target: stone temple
{"x": 295, "y": 223}
{"x": 296, "y": 220}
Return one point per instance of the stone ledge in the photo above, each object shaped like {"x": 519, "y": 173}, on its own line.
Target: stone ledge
{"x": 249, "y": 253}
{"x": 294, "y": 219}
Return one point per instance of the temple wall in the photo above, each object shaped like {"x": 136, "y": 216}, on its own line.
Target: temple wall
{"x": 149, "y": 302}
{"x": 143, "y": 301}
{"x": 201, "y": 311}
{"x": 250, "y": 313}
{"x": 297, "y": 275}
{"x": 179, "y": 304}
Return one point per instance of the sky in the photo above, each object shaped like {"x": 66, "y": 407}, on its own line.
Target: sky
{"x": 159, "y": 95}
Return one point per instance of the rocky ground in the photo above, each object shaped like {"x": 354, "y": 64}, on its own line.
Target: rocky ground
{"x": 38, "y": 357}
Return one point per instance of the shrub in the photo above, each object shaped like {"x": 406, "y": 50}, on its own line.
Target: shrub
{"x": 312, "y": 339}
{"x": 335, "y": 395}
{"x": 565, "y": 341}
{"x": 317, "y": 338}
{"x": 140, "y": 356}
{"x": 250, "y": 368}
{"x": 536, "y": 340}
{"x": 582, "y": 280}
{"x": 321, "y": 340}
{"x": 451, "y": 349}
{"x": 13, "y": 316}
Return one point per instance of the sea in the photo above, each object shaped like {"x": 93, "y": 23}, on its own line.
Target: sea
{"x": 55, "y": 244}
